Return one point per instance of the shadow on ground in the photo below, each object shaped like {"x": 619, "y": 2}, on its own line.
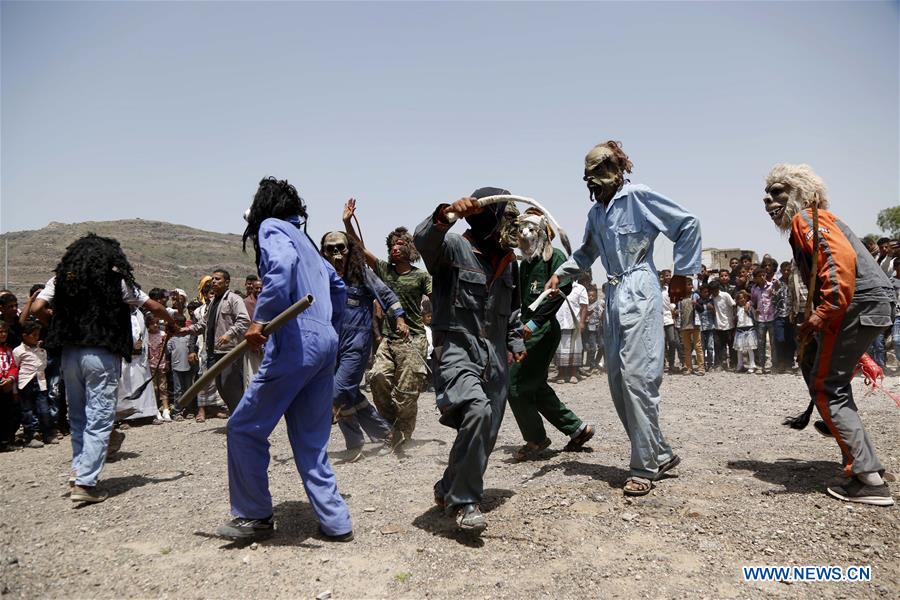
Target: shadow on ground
{"x": 436, "y": 522}
{"x": 613, "y": 476}
{"x": 795, "y": 476}
{"x": 119, "y": 485}
{"x": 296, "y": 525}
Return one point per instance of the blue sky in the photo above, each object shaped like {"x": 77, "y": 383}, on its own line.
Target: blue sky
{"x": 174, "y": 111}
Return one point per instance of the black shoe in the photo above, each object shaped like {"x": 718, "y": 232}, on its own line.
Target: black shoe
{"x": 857, "y": 491}
{"x": 342, "y": 537}
{"x": 822, "y": 428}
{"x": 469, "y": 518}
{"x": 247, "y": 529}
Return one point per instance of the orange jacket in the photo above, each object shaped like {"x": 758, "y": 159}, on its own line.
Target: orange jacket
{"x": 836, "y": 271}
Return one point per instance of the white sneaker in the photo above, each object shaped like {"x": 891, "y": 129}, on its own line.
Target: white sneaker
{"x": 166, "y": 416}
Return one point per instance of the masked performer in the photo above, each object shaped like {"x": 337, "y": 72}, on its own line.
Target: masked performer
{"x": 622, "y": 226}
{"x": 475, "y": 322}
{"x": 355, "y": 414}
{"x": 296, "y": 376}
{"x": 91, "y": 295}
{"x": 399, "y": 371}
{"x": 853, "y": 301}
{"x": 530, "y": 396}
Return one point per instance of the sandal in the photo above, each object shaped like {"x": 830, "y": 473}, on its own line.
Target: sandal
{"x": 667, "y": 466}
{"x": 200, "y": 419}
{"x": 637, "y": 486}
{"x": 530, "y": 450}
{"x": 575, "y": 444}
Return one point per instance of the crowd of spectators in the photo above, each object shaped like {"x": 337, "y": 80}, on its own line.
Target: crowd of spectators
{"x": 741, "y": 318}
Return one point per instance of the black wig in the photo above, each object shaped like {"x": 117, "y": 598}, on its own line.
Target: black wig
{"x": 275, "y": 198}
{"x": 355, "y": 262}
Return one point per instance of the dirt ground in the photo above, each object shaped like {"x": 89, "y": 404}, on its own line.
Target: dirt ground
{"x": 748, "y": 492}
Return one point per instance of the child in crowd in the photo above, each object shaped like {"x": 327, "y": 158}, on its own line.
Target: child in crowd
{"x": 9, "y": 403}
{"x": 784, "y": 329}
{"x": 745, "y": 335}
{"x": 9, "y": 313}
{"x": 180, "y": 350}
{"x": 687, "y": 320}
{"x": 707, "y": 313}
{"x": 724, "y": 307}
{"x": 762, "y": 297}
{"x": 159, "y": 365}
{"x": 726, "y": 278}
{"x": 31, "y": 361}
{"x": 592, "y": 342}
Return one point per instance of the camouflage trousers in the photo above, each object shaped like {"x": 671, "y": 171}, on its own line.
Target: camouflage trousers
{"x": 398, "y": 377}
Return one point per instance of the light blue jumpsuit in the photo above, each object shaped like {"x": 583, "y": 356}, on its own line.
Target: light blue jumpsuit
{"x": 354, "y": 348}
{"x": 622, "y": 235}
{"x": 295, "y": 380}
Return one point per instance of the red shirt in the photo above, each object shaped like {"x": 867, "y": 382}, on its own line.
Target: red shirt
{"x": 8, "y": 367}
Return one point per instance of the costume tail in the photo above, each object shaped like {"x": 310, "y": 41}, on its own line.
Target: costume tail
{"x": 801, "y": 420}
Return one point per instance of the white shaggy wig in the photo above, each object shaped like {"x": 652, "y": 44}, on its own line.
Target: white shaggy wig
{"x": 806, "y": 190}
{"x": 809, "y": 186}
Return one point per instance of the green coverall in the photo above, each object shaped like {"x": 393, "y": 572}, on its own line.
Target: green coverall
{"x": 530, "y": 396}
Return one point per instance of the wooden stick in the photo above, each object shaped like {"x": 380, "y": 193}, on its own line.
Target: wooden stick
{"x": 813, "y": 278}
{"x": 238, "y": 351}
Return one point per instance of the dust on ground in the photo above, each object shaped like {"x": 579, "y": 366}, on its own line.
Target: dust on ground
{"x": 749, "y": 492}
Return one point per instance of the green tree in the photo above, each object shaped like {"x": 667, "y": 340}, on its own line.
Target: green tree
{"x": 889, "y": 221}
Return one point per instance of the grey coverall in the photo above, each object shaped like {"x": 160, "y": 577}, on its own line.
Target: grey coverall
{"x": 475, "y": 321}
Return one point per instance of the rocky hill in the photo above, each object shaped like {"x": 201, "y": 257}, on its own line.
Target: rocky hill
{"x": 162, "y": 254}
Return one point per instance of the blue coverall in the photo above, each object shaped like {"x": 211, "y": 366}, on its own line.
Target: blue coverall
{"x": 354, "y": 348}
{"x": 622, "y": 235}
{"x": 295, "y": 380}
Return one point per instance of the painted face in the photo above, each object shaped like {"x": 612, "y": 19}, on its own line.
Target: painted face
{"x": 602, "y": 174}
{"x": 335, "y": 249}
{"x": 400, "y": 250}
